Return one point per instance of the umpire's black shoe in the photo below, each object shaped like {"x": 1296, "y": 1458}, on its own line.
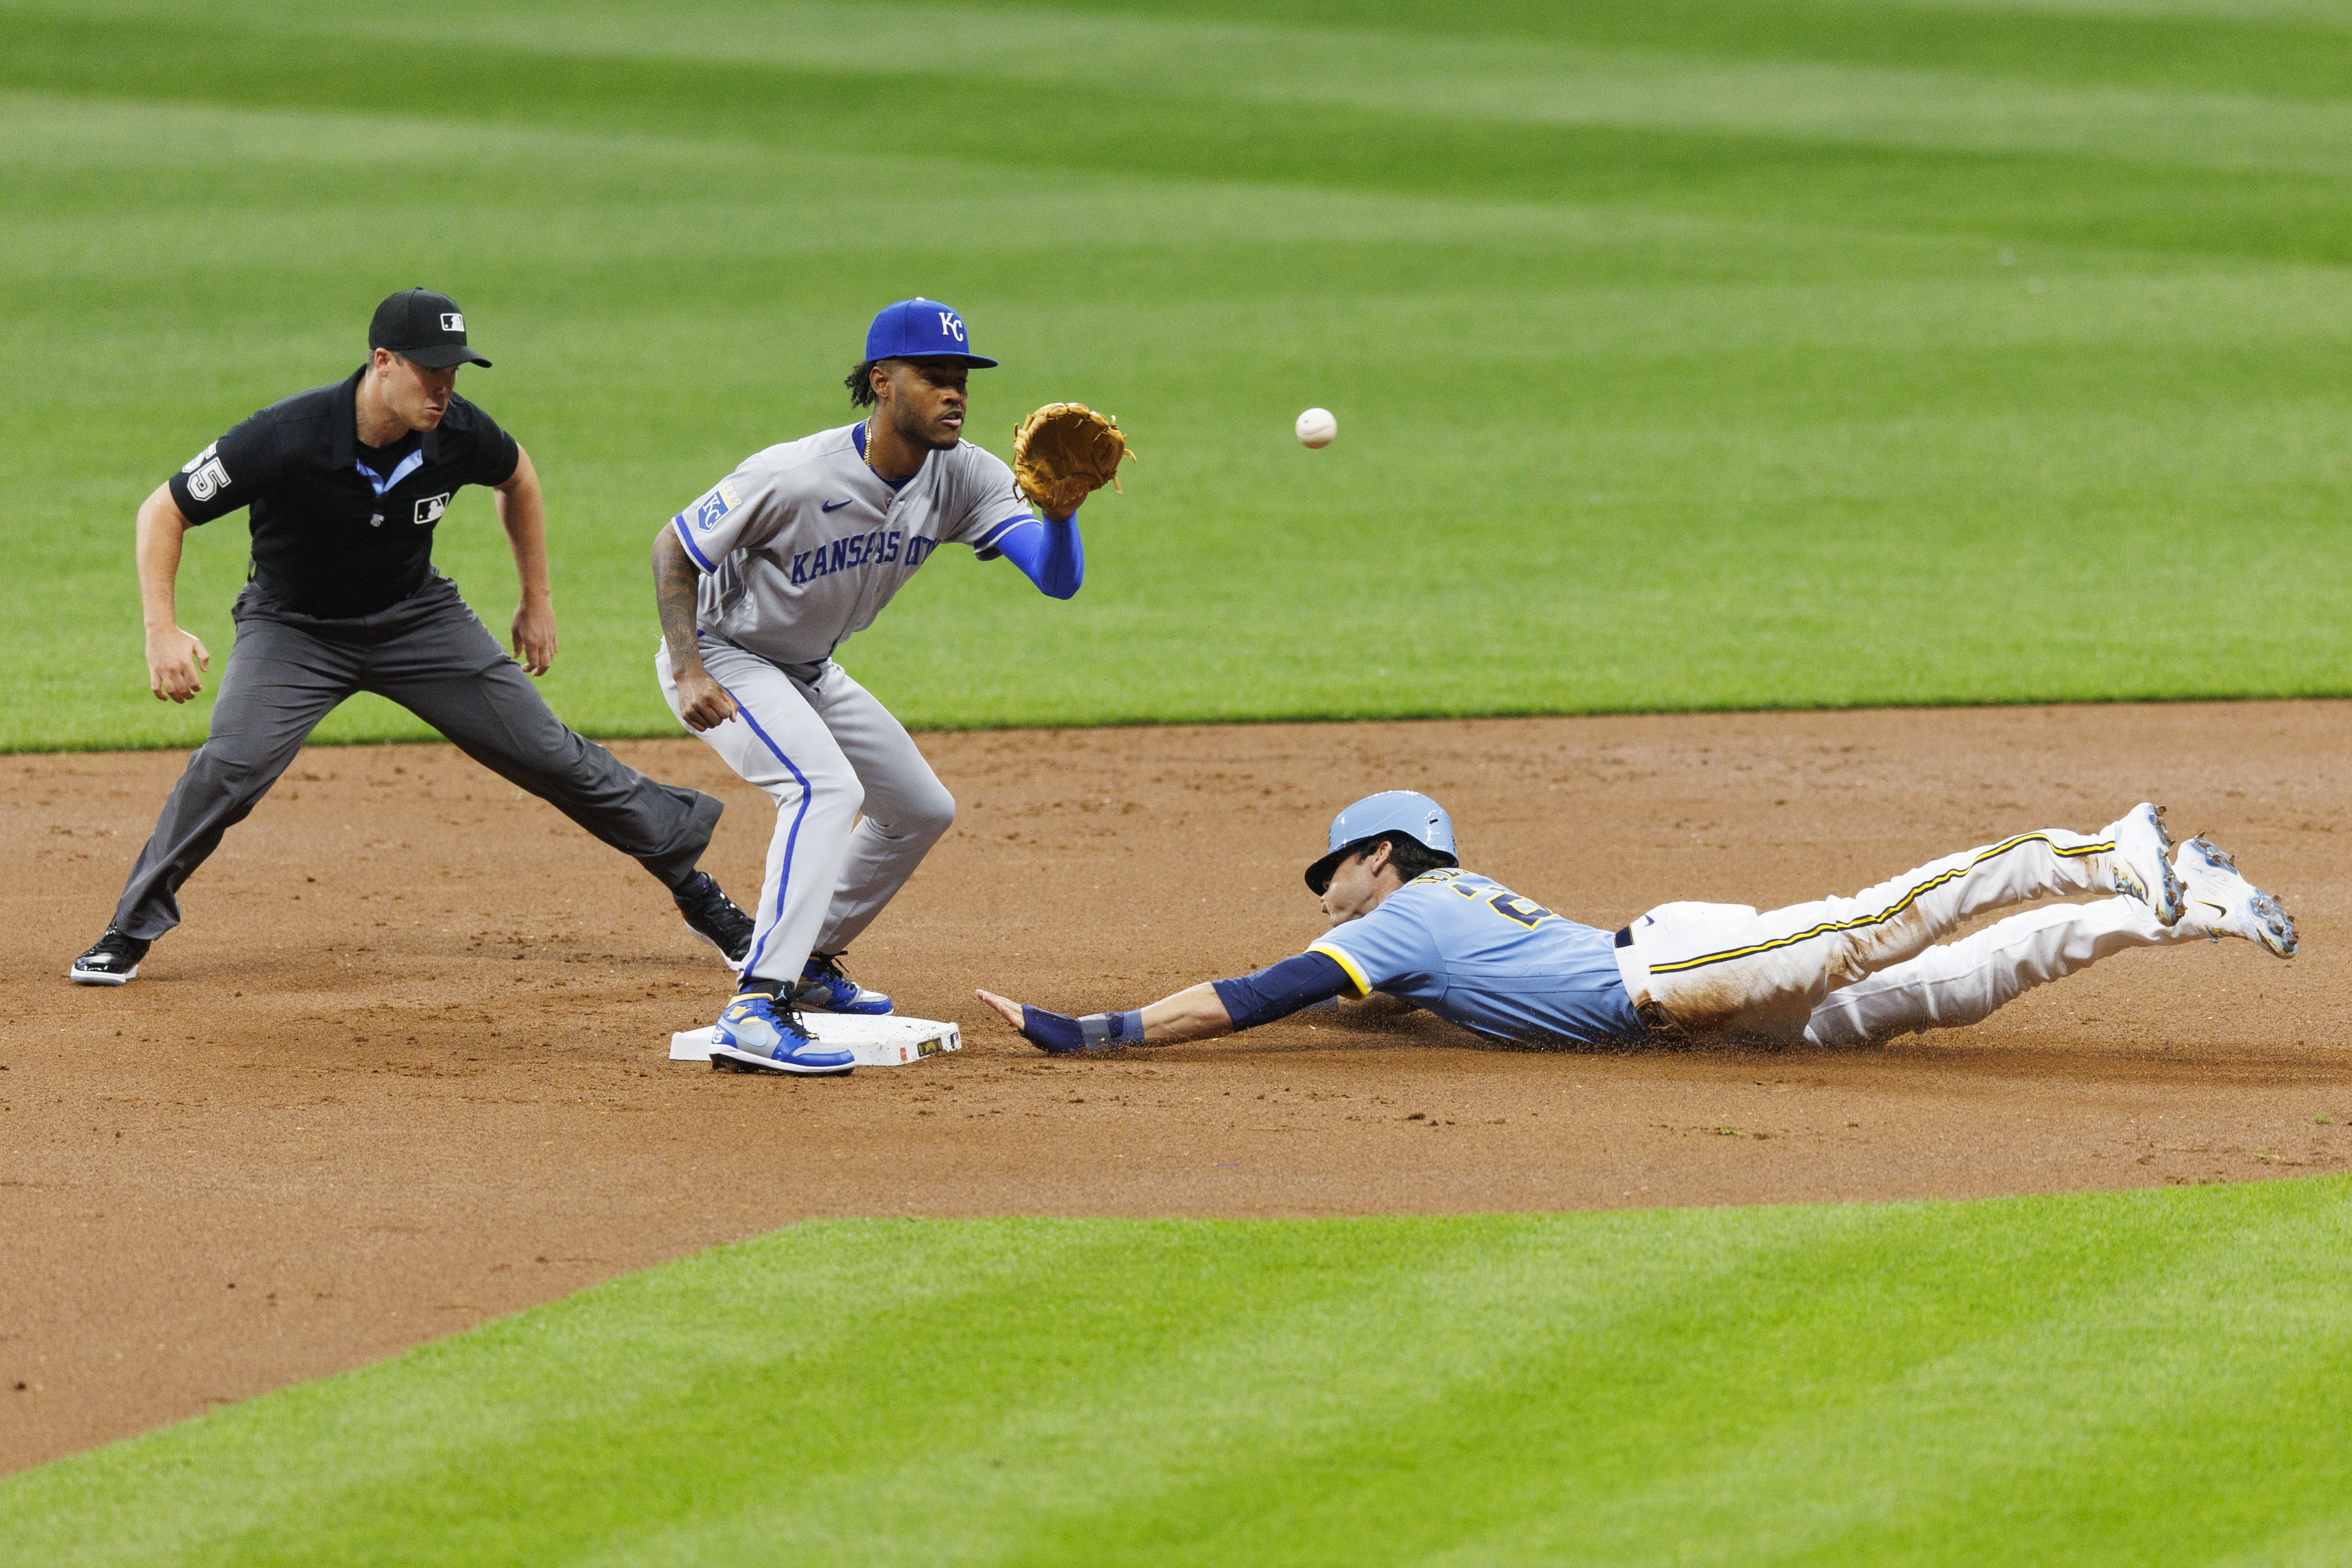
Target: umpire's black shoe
{"x": 709, "y": 914}
{"x": 113, "y": 959}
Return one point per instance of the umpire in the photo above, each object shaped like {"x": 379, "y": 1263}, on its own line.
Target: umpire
{"x": 346, "y": 483}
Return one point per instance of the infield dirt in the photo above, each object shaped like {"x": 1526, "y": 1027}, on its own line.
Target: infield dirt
{"x": 404, "y": 1069}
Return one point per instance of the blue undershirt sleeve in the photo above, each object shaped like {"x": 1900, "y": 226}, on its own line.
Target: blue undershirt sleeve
{"x": 1048, "y": 554}
{"x": 1281, "y": 989}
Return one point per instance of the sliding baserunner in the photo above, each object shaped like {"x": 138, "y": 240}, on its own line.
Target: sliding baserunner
{"x": 761, "y": 579}
{"x": 1408, "y": 922}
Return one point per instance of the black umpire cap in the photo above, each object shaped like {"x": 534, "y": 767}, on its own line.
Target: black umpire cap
{"x": 423, "y": 327}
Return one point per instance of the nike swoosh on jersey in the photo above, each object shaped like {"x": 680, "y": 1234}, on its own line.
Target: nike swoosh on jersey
{"x": 833, "y": 506}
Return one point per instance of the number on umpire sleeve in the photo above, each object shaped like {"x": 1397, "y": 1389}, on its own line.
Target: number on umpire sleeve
{"x": 208, "y": 482}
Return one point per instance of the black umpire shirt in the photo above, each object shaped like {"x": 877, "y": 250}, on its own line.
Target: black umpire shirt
{"x": 341, "y": 528}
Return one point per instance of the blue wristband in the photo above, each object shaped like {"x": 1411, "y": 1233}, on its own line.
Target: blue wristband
{"x": 1062, "y": 1035}
{"x": 1110, "y": 1031}
{"x": 1051, "y": 1032}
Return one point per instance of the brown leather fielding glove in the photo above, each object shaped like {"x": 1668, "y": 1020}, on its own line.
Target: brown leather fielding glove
{"x": 1064, "y": 453}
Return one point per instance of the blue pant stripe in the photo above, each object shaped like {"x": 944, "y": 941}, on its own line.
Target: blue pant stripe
{"x": 791, "y": 839}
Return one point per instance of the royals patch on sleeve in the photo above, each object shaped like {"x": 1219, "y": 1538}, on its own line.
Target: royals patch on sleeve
{"x": 712, "y": 509}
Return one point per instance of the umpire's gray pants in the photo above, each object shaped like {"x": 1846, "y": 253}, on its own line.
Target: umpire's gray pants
{"x": 433, "y": 655}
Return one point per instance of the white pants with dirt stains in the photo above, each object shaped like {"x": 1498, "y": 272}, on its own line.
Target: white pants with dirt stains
{"x": 1845, "y": 971}
{"x": 857, "y": 806}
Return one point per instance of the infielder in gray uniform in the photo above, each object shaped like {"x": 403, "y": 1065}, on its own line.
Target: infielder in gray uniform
{"x": 759, "y": 582}
{"x": 346, "y": 484}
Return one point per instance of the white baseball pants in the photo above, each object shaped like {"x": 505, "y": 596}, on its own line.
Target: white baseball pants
{"x": 823, "y": 750}
{"x": 1844, "y": 971}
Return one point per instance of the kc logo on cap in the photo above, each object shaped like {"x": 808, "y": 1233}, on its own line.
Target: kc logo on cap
{"x": 921, "y": 329}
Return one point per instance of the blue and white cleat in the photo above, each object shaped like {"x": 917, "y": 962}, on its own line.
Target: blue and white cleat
{"x": 2222, "y": 902}
{"x": 825, "y": 989}
{"x": 2142, "y": 861}
{"x": 758, "y": 1033}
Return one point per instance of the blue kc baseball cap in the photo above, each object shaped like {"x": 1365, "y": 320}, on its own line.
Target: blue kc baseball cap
{"x": 921, "y": 329}
{"x": 1403, "y": 811}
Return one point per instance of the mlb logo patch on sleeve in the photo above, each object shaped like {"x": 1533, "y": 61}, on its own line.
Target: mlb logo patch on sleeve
{"x": 430, "y": 509}
{"x": 712, "y": 508}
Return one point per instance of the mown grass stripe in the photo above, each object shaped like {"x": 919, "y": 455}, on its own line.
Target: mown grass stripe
{"x": 2283, "y": 214}
{"x": 1458, "y": 75}
{"x": 2302, "y": 51}
{"x": 2105, "y": 1378}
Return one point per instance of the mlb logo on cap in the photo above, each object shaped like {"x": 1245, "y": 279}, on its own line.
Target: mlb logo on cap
{"x": 921, "y": 329}
{"x": 423, "y": 328}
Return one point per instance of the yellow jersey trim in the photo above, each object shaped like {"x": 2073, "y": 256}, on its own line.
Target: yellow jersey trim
{"x": 1355, "y": 975}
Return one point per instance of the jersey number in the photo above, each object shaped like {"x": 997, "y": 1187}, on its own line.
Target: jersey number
{"x": 1512, "y": 907}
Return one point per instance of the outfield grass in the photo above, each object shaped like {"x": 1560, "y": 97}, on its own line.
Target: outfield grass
{"x": 1687, "y": 355}
{"x": 2128, "y": 1378}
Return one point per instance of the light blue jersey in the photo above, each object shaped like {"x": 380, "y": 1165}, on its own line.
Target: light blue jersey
{"x": 1477, "y": 954}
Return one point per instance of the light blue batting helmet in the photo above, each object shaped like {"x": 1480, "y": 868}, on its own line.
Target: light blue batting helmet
{"x": 1404, "y": 811}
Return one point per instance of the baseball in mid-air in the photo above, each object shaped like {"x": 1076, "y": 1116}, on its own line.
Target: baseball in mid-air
{"x": 1315, "y": 428}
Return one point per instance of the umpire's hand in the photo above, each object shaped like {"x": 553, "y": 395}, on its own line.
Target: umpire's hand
{"x": 174, "y": 657}
{"x": 534, "y": 634}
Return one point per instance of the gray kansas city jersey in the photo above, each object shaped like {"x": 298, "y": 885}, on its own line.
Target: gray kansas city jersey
{"x": 803, "y": 543}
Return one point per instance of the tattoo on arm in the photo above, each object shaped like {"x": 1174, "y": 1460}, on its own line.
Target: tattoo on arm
{"x": 675, "y": 583}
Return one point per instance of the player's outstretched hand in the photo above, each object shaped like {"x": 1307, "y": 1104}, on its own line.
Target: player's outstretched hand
{"x": 534, "y": 635}
{"x": 1006, "y": 1007}
{"x": 174, "y": 657}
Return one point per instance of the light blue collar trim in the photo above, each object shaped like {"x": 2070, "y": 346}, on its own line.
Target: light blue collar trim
{"x": 408, "y": 465}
